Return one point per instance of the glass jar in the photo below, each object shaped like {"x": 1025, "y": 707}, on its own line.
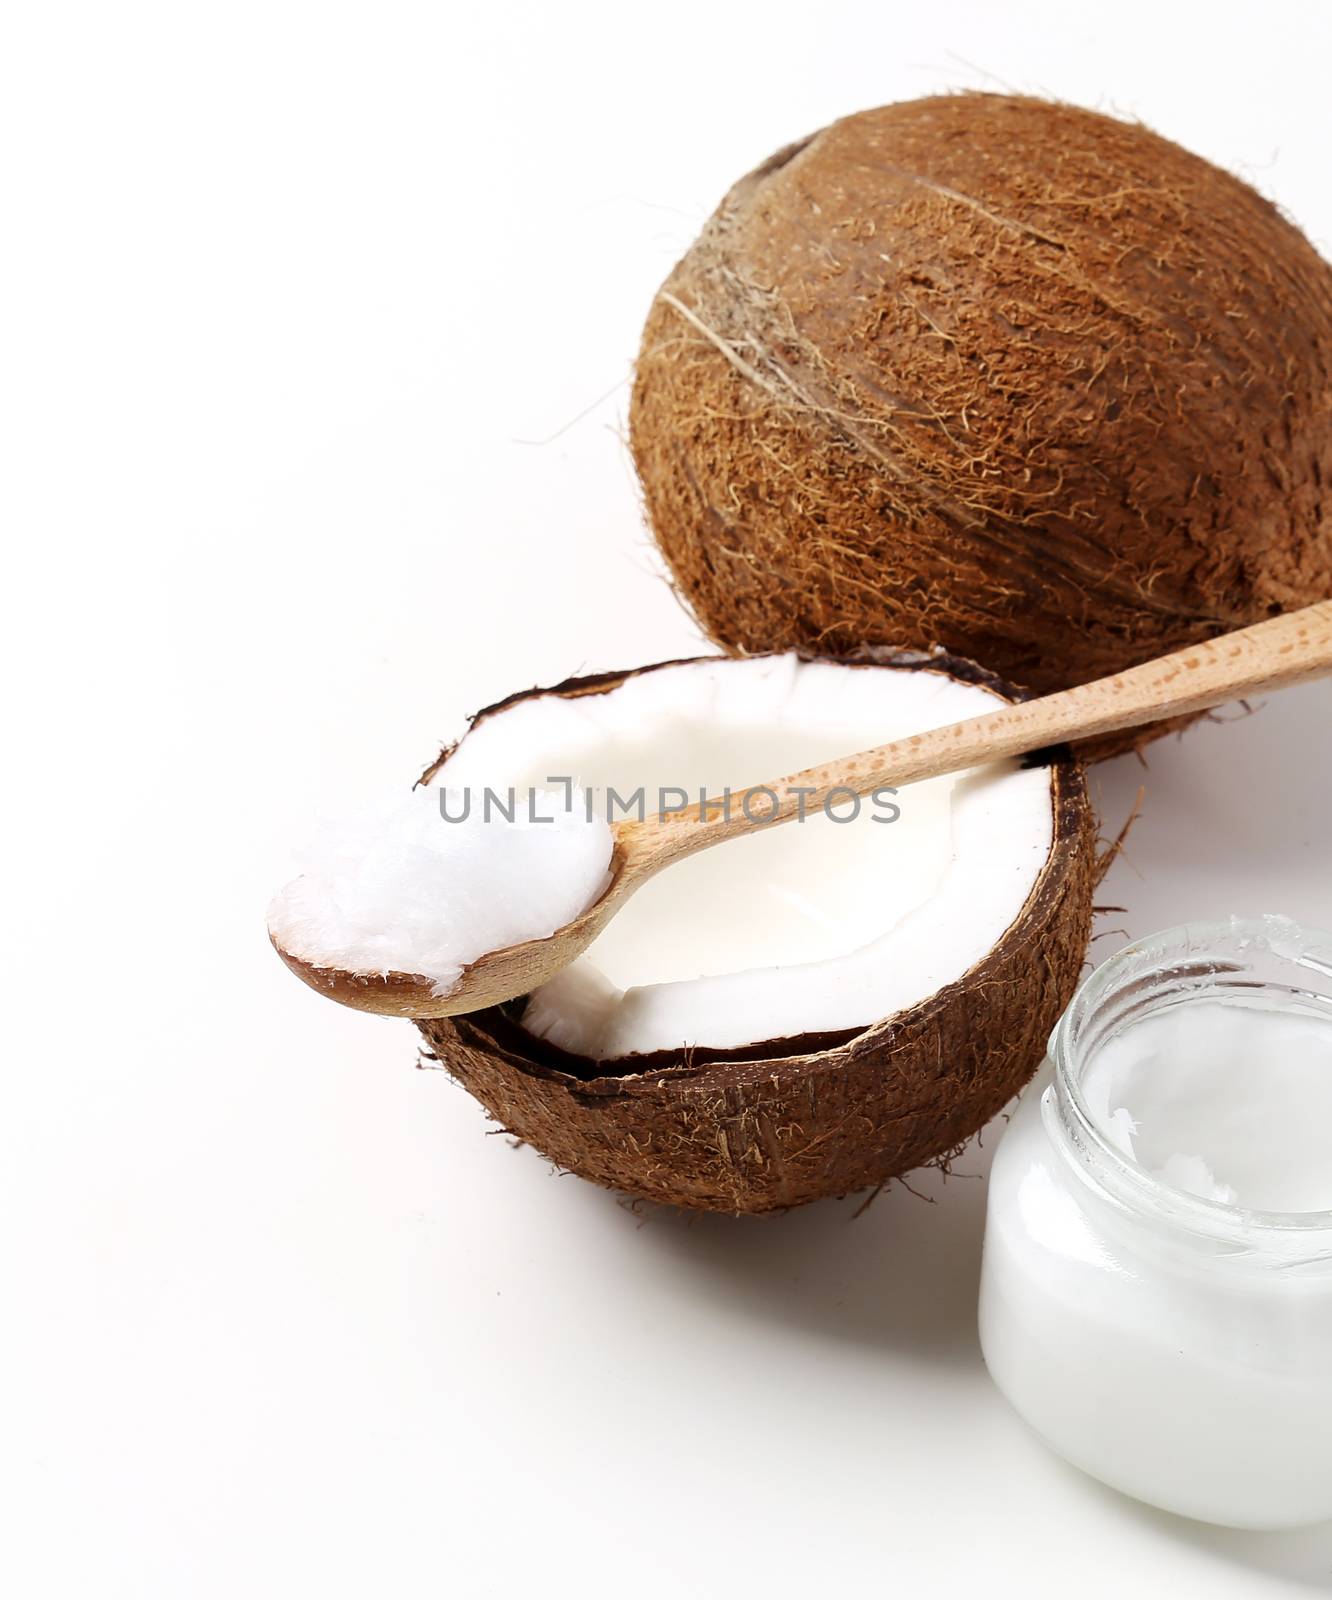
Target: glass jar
{"x": 1176, "y": 1346}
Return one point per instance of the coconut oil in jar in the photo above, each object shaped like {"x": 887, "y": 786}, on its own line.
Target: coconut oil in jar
{"x": 1156, "y": 1296}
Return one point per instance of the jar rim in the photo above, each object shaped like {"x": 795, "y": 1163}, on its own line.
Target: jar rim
{"x": 1184, "y": 951}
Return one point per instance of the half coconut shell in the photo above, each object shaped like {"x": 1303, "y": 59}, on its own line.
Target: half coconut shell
{"x": 791, "y": 1120}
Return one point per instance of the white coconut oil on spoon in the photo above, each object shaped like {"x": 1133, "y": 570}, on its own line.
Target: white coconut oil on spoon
{"x": 427, "y": 882}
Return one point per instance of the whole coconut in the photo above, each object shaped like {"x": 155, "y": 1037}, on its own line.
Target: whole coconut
{"x": 995, "y": 374}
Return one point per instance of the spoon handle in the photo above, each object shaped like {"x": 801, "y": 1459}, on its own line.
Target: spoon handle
{"x": 1289, "y": 649}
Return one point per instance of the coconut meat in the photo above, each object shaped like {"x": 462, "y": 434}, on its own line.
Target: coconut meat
{"x": 398, "y": 888}
{"x": 811, "y": 927}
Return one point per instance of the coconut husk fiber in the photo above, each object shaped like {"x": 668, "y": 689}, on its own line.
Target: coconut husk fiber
{"x": 996, "y": 374}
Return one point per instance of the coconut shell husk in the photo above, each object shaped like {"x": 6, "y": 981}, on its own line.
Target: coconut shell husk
{"x": 793, "y": 1120}
{"x": 996, "y": 374}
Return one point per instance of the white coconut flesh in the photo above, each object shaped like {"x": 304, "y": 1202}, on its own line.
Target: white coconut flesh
{"x": 811, "y": 927}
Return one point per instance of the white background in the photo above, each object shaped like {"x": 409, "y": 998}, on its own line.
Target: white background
{"x": 288, "y": 292}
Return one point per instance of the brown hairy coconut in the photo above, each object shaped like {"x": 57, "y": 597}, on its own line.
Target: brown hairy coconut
{"x": 747, "y": 1122}
{"x": 995, "y": 374}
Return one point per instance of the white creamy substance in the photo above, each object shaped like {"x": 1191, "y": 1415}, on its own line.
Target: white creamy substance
{"x": 1224, "y": 1101}
{"x": 1188, "y": 1366}
{"x": 400, "y": 889}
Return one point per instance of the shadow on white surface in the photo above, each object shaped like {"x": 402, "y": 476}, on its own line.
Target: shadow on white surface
{"x": 1303, "y": 1556}
{"x": 1300, "y": 1556}
{"x": 901, "y": 1276}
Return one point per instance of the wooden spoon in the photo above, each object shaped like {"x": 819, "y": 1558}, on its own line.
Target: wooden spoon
{"x": 1271, "y": 655}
